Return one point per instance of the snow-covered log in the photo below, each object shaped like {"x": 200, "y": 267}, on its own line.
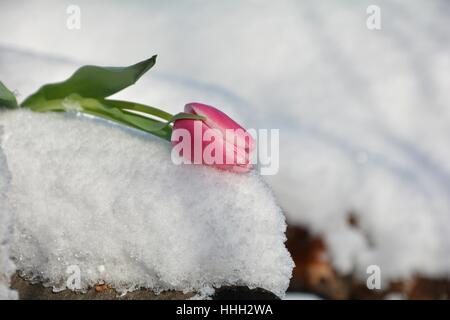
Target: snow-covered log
{"x": 6, "y": 226}
{"x": 99, "y": 203}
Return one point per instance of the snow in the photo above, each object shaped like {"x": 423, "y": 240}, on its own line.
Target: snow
{"x": 108, "y": 202}
{"x": 204, "y": 294}
{"x": 6, "y": 226}
{"x": 363, "y": 115}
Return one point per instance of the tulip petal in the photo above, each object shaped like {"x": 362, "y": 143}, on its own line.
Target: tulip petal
{"x": 231, "y": 159}
{"x": 216, "y": 119}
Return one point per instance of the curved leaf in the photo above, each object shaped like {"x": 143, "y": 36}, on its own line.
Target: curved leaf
{"x": 7, "y": 98}
{"x": 92, "y": 82}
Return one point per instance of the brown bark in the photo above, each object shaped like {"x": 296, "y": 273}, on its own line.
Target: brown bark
{"x": 316, "y": 274}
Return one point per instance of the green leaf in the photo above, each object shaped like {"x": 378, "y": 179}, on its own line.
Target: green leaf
{"x": 85, "y": 91}
{"x": 7, "y": 98}
{"x": 92, "y": 82}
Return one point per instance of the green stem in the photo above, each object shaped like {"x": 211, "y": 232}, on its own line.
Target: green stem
{"x": 164, "y": 133}
{"x": 113, "y": 110}
{"x": 126, "y": 105}
{"x": 131, "y": 114}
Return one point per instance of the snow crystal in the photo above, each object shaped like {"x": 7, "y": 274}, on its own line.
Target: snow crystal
{"x": 100, "y": 203}
{"x": 6, "y": 224}
{"x": 204, "y": 294}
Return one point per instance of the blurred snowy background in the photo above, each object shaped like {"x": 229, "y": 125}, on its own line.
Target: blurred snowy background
{"x": 364, "y": 115}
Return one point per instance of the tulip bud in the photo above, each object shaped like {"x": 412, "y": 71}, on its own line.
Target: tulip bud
{"x": 217, "y": 140}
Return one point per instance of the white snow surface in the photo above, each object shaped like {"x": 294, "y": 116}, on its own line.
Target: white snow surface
{"x": 364, "y": 115}
{"x": 6, "y": 226}
{"x": 109, "y": 201}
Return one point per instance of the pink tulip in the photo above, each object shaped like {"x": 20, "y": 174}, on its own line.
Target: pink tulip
{"x": 233, "y": 144}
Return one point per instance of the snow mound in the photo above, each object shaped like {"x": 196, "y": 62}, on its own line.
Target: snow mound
{"x": 97, "y": 202}
{"x": 6, "y": 224}
{"x": 402, "y": 222}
